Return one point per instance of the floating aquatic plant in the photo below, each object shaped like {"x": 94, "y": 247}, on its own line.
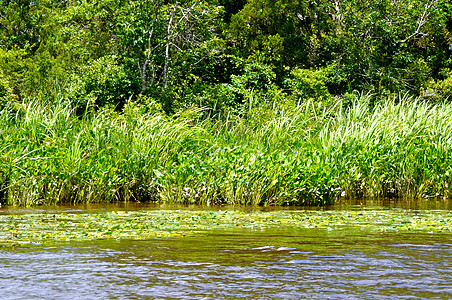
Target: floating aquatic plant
{"x": 143, "y": 224}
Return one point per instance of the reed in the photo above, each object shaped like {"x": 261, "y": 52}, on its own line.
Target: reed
{"x": 305, "y": 156}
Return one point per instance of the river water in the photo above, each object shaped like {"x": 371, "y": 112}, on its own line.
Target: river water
{"x": 238, "y": 264}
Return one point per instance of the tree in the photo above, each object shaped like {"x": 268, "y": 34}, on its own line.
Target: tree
{"x": 284, "y": 32}
{"x": 156, "y": 34}
{"x": 380, "y": 45}
{"x": 389, "y": 44}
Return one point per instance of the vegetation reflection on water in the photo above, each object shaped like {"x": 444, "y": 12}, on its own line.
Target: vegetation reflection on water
{"x": 260, "y": 262}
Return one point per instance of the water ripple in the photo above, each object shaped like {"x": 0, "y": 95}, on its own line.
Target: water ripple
{"x": 234, "y": 266}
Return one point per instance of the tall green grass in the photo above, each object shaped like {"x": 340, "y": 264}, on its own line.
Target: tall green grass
{"x": 302, "y": 156}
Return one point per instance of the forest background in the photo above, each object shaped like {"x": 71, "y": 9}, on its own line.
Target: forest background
{"x": 298, "y": 101}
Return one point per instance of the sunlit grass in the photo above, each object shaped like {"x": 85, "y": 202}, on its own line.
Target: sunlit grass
{"x": 305, "y": 155}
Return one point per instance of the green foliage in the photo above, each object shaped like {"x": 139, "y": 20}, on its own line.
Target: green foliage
{"x": 260, "y": 110}
{"x": 6, "y": 92}
{"x": 389, "y": 45}
{"x": 14, "y": 70}
{"x": 253, "y": 88}
{"x": 18, "y": 29}
{"x": 280, "y": 32}
{"x": 439, "y": 90}
{"x": 308, "y": 85}
{"x": 57, "y": 41}
{"x": 308, "y": 154}
{"x": 103, "y": 82}
{"x": 184, "y": 53}
{"x": 167, "y": 40}
{"x": 376, "y": 45}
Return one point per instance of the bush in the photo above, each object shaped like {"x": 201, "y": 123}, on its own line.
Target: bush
{"x": 102, "y": 82}
{"x": 439, "y": 90}
{"x": 308, "y": 84}
{"x": 6, "y": 92}
{"x": 253, "y": 88}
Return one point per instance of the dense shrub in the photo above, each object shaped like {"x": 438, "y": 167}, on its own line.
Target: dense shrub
{"x": 103, "y": 82}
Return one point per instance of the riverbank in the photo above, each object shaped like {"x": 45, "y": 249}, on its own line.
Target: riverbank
{"x": 305, "y": 155}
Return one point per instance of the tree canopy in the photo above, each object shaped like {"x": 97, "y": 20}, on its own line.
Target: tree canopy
{"x": 222, "y": 53}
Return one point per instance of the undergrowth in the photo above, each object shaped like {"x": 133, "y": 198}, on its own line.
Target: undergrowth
{"x": 306, "y": 155}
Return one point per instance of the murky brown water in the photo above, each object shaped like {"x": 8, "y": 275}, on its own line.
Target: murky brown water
{"x": 246, "y": 264}
{"x": 235, "y": 265}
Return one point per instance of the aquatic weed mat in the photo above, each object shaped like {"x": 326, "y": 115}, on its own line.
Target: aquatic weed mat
{"x": 48, "y": 228}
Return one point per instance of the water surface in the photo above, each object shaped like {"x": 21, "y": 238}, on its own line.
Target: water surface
{"x": 266, "y": 263}
{"x": 240, "y": 264}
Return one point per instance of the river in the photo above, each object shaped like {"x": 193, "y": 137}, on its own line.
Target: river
{"x": 275, "y": 263}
